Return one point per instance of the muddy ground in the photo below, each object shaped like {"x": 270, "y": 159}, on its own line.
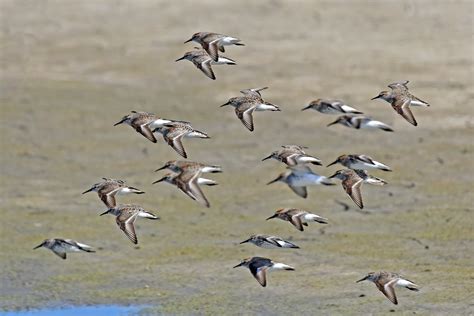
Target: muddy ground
{"x": 71, "y": 69}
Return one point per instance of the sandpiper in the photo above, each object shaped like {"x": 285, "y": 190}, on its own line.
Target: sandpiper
{"x": 299, "y": 177}
{"x": 174, "y": 132}
{"x": 246, "y": 105}
{"x": 293, "y": 155}
{"x": 61, "y": 246}
{"x": 188, "y": 182}
{"x": 179, "y": 166}
{"x": 401, "y": 99}
{"x": 297, "y": 217}
{"x": 126, "y": 215}
{"x": 259, "y": 267}
{"x": 331, "y": 107}
{"x": 386, "y": 282}
{"x": 361, "y": 122}
{"x": 266, "y": 241}
{"x": 214, "y": 42}
{"x": 351, "y": 182}
{"x": 370, "y": 179}
{"x": 143, "y": 123}
{"x": 362, "y": 162}
{"x": 108, "y": 188}
{"x": 203, "y": 61}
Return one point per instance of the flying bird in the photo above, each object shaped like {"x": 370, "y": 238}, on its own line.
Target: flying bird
{"x": 107, "y": 189}
{"x": 143, "y": 123}
{"x": 203, "y": 61}
{"x": 214, "y": 42}
{"x": 62, "y": 246}
{"x": 386, "y": 282}
{"x": 259, "y": 267}
{"x": 401, "y": 99}
{"x": 297, "y": 217}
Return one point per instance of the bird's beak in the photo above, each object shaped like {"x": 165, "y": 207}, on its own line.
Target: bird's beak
{"x": 164, "y": 167}
{"x": 335, "y": 122}
{"x": 225, "y": 104}
{"x": 238, "y": 265}
{"x": 332, "y": 163}
{"x": 305, "y": 108}
{"x": 162, "y": 179}
{"x": 267, "y": 158}
{"x": 363, "y": 279}
{"x": 118, "y": 123}
{"x": 180, "y": 59}
{"x": 273, "y": 181}
{"x": 243, "y": 242}
{"x": 40, "y": 245}
{"x": 273, "y": 216}
{"x": 332, "y": 176}
{"x": 106, "y": 212}
{"x": 88, "y": 191}
{"x": 375, "y": 97}
{"x": 189, "y": 40}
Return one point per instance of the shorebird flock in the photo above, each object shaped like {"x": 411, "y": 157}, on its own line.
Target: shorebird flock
{"x": 188, "y": 176}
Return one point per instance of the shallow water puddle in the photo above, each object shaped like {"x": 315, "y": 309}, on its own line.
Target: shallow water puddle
{"x": 78, "y": 311}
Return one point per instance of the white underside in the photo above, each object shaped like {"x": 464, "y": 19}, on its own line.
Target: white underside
{"x": 84, "y": 245}
{"x": 209, "y": 169}
{"x": 310, "y": 218}
{"x": 283, "y": 243}
{"x": 265, "y": 107}
{"x": 374, "y": 124}
{"x": 307, "y": 159}
{"x": 279, "y": 266}
{"x": 145, "y": 215}
{"x": 223, "y": 61}
{"x": 195, "y": 134}
{"x": 228, "y": 40}
{"x": 158, "y": 123}
{"x": 348, "y": 109}
{"x": 307, "y": 179}
{"x": 374, "y": 181}
{"x": 405, "y": 283}
{"x": 206, "y": 181}
{"x": 418, "y": 103}
{"x": 68, "y": 249}
{"x": 124, "y": 191}
{"x": 362, "y": 166}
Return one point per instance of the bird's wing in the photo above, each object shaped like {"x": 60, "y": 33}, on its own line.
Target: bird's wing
{"x": 193, "y": 187}
{"x": 259, "y": 272}
{"x": 206, "y": 68}
{"x": 301, "y": 191}
{"x": 244, "y": 113}
{"x": 125, "y": 222}
{"x": 290, "y": 158}
{"x": 108, "y": 197}
{"x": 145, "y": 131}
{"x": 213, "y": 48}
{"x": 389, "y": 291}
{"x": 402, "y": 106}
{"x": 296, "y": 221}
{"x": 173, "y": 138}
{"x": 60, "y": 254}
{"x": 352, "y": 188}
{"x": 366, "y": 159}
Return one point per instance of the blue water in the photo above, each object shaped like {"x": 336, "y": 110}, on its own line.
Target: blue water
{"x": 78, "y": 311}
